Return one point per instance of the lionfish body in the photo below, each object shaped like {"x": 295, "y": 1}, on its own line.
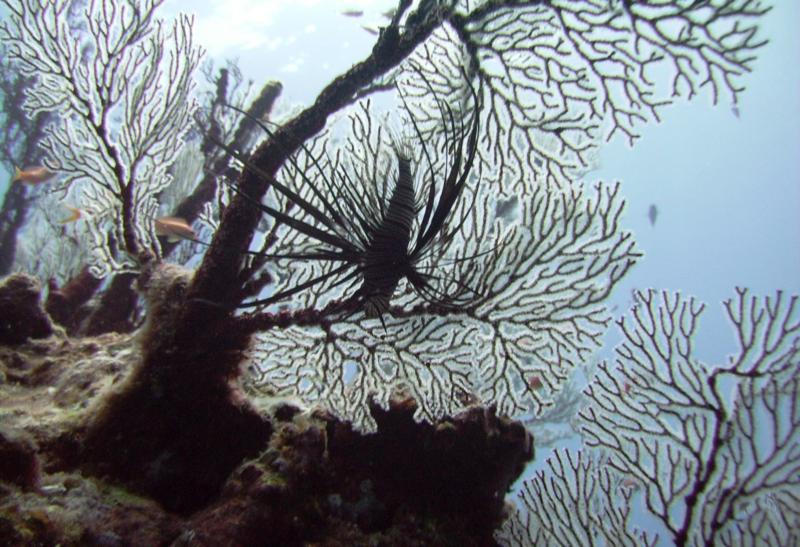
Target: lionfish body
{"x": 386, "y": 260}
{"x": 375, "y": 239}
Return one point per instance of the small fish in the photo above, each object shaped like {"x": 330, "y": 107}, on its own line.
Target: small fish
{"x": 174, "y": 229}
{"x": 389, "y": 13}
{"x": 75, "y": 214}
{"x": 371, "y": 30}
{"x": 32, "y": 175}
{"x": 352, "y": 13}
{"x": 652, "y": 214}
{"x": 535, "y": 382}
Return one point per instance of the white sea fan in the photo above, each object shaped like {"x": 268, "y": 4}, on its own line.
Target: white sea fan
{"x": 121, "y": 81}
{"x": 712, "y": 453}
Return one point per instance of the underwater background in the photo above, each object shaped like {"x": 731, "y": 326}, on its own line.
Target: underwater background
{"x": 713, "y": 191}
{"x": 725, "y": 179}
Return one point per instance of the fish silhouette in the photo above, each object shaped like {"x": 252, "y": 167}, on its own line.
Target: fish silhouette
{"x": 652, "y": 214}
{"x": 32, "y": 175}
{"x": 174, "y": 229}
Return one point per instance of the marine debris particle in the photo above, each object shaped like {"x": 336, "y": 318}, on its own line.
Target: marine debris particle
{"x": 652, "y": 214}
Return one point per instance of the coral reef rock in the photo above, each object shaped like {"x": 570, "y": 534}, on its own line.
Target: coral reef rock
{"x": 21, "y": 314}
{"x": 316, "y": 481}
{"x": 320, "y": 482}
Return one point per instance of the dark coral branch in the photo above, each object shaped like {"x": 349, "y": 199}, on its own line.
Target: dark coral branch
{"x": 116, "y": 309}
{"x": 13, "y": 213}
{"x": 65, "y": 303}
{"x": 18, "y": 145}
{"x": 260, "y": 322}
{"x": 192, "y": 205}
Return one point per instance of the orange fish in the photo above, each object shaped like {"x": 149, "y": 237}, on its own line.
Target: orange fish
{"x": 75, "y": 214}
{"x": 174, "y": 228}
{"x": 535, "y": 382}
{"x": 32, "y": 175}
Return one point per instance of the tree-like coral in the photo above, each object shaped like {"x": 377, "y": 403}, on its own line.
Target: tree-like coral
{"x": 563, "y": 76}
{"x": 711, "y": 452}
{"x": 120, "y": 81}
{"x": 537, "y": 287}
{"x": 533, "y": 251}
{"x": 556, "y": 79}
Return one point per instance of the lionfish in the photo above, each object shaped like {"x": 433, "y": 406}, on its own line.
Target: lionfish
{"x": 376, "y": 240}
